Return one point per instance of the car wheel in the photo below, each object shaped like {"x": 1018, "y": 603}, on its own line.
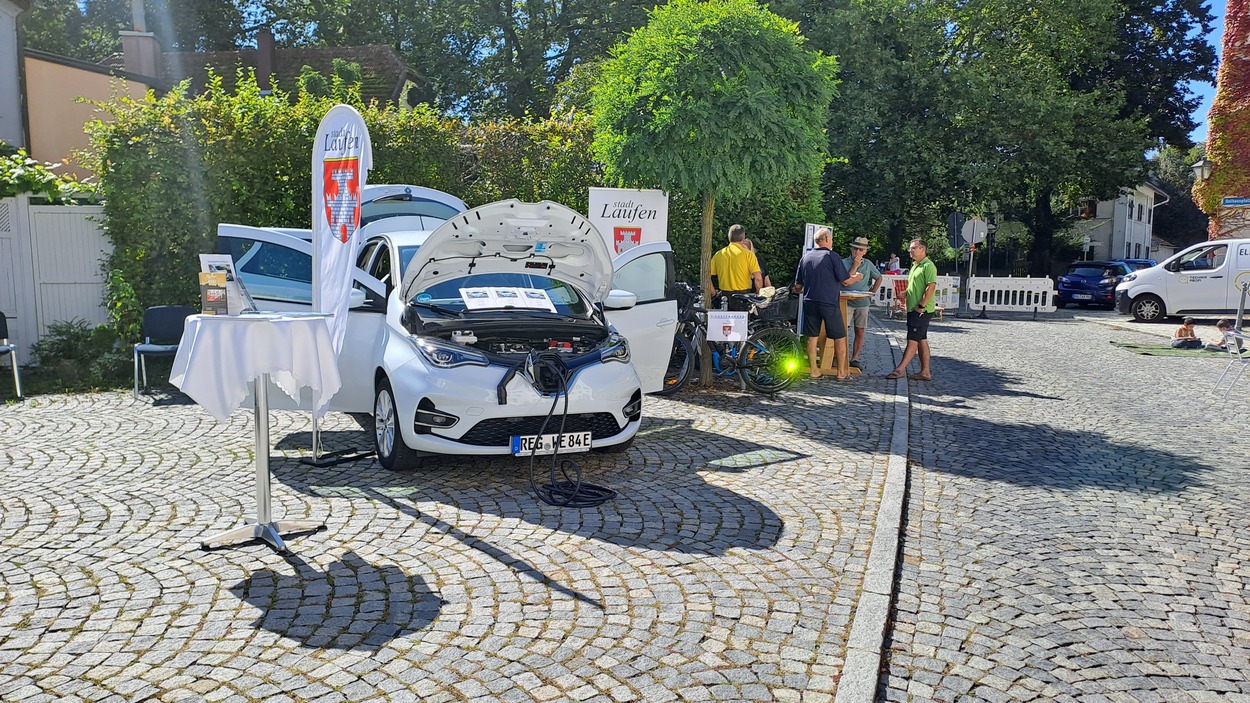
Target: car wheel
{"x": 615, "y": 448}
{"x": 388, "y": 441}
{"x": 1148, "y": 308}
{"x": 1060, "y": 304}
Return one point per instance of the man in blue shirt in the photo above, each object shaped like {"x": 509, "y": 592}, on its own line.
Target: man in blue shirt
{"x": 820, "y": 278}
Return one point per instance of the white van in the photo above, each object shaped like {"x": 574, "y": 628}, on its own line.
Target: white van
{"x": 1204, "y": 280}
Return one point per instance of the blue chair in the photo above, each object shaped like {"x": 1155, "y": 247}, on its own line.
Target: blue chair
{"x": 9, "y": 349}
{"x": 162, "y": 332}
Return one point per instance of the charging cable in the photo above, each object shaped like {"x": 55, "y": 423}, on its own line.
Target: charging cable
{"x": 570, "y": 491}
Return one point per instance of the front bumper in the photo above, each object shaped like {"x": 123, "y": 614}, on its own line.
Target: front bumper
{"x": 1123, "y": 303}
{"x": 1096, "y": 297}
{"x": 597, "y": 398}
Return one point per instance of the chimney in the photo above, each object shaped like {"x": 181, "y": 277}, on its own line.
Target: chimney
{"x": 141, "y": 52}
{"x": 264, "y": 60}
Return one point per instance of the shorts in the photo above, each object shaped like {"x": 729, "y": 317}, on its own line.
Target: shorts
{"x": 918, "y": 325}
{"x": 830, "y": 314}
{"x": 859, "y": 317}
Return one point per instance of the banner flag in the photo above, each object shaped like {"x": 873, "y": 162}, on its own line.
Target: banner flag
{"x": 628, "y": 217}
{"x": 342, "y": 156}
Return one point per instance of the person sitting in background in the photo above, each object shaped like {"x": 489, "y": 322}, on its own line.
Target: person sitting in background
{"x": 892, "y": 266}
{"x": 1184, "y": 337}
{"x": 1219, "y": 343}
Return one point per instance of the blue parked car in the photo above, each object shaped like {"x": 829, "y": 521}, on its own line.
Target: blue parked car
{"x": 1139, "y": 264}
{"x": 1088, "y": 283}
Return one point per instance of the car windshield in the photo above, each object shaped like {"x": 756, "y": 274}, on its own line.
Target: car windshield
{"x": 1090, "y": 271}
{"x": 494, "y": 291}
{"x": 406, "y": 254}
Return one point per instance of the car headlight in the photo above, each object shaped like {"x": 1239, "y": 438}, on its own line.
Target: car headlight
{"x": 1063, "y": 280}
{"x": 1109, "y": 281}
{"x": 446, "y": 355}
{"x": 1130, "y": 277}
{"x": 614, "y": 348}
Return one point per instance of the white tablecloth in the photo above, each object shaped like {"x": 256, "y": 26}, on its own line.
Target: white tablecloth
{"x": 220, "y": 354}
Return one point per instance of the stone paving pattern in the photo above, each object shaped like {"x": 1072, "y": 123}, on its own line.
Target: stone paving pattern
{"x": 1077, "y": 526}
{"x": 727, "y": 569}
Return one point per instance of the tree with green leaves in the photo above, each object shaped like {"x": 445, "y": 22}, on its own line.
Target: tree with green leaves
{"x": 715, "y": 99}
{"x": 1179, "y": 221}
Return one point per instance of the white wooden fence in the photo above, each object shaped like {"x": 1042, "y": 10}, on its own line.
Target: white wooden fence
{"x": 50, "y": 257}
{"x": 1005, "y": 294}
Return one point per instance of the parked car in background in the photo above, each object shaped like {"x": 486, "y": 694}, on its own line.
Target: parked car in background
{"x": 1203, "y": 280}
{"x": 1139, "y": 264}
{"x": 1088, "y": 283}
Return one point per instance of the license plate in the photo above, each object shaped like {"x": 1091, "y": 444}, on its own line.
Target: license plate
{"x": 568, "y": 442}
{"x": 1082, "y": 296}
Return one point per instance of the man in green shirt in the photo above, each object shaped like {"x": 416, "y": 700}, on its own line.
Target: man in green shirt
{"x": 921, "y": 287}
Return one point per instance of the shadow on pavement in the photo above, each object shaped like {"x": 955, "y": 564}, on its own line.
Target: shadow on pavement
{"x": 663, "y": 502}
{"x": 1038, "y": 455}
{"x": 968, "y": 381}
{"x": 353, "y": 605}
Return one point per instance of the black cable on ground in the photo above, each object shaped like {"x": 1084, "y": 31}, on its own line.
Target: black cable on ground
{"x": 570, "y": 491}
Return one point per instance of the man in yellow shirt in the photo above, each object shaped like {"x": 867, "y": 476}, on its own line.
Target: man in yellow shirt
{"x": 735, "y": 269}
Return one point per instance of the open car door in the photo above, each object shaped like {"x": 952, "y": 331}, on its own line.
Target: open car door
{"x": 647, "y": 271}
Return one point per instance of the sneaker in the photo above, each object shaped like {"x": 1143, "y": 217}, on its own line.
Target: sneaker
{"x": 855, "y": 364}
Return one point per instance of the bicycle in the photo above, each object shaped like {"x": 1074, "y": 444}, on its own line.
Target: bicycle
{"x": 770, "y": 358}
{"x": 683, "y": 361}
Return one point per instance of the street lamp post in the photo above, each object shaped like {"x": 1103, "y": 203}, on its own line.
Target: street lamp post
{"x": 1202, "y": 169}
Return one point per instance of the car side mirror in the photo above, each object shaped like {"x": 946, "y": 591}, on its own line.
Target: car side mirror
{"x": 620, "y": 300}
{"x": 357, "y": 298}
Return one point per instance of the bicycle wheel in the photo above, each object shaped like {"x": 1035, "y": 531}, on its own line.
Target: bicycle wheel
{"x": 771, "y": 359}
{"x": 680, "y": 366}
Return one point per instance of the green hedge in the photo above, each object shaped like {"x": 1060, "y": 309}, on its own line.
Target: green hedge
{"x": 172, "y": 168}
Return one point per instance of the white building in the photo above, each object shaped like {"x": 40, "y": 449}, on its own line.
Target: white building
{"x": 1122, "y": 228}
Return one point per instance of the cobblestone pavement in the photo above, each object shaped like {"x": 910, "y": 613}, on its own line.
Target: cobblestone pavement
{"x": 1077, "y": 526}
{"x": 727, "y": 569}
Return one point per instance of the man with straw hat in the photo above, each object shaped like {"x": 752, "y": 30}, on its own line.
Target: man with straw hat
{"x": 871, "y": 281}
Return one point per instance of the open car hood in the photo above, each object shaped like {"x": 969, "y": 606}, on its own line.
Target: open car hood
{"x": 510, "y": 236}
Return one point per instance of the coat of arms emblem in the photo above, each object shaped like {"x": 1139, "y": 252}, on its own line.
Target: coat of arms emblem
{"x": 626, "y": 238}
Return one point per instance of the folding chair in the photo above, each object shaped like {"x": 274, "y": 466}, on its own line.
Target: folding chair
{"x": 9, "y": 349}
{"x": 1235, "y": 343}
{"x": 162, "y": 332}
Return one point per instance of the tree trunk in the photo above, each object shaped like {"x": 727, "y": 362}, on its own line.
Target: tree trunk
{"x": 1042, "y": 224}
{"x": 705, "y": 273}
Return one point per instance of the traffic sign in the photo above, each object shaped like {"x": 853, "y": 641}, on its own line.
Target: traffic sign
{"x": 1236, "y": 201}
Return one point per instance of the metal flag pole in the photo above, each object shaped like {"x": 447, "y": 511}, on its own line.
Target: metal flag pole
{"x": 1241, "y": 307}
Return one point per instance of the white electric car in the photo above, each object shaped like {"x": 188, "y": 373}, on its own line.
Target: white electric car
{"x": 504, "y": 315}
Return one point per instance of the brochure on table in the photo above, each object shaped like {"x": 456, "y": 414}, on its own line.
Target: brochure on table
{"x": 237, "y": 298}
{"x": 487, "y": 298}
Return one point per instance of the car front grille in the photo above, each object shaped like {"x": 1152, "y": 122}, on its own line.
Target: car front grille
{"x": 498, "y": 432}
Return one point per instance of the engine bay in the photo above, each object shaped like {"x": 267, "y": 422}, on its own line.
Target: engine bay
{"x": 511, "y": 337}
